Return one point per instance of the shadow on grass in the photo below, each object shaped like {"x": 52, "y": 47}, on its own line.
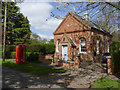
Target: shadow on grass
{"x": 13, "y": 78}
{"x": 32, "y": 68}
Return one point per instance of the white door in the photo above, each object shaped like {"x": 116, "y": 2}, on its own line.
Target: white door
{"x": 64, "y": 52}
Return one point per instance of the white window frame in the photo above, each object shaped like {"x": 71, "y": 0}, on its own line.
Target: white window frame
{"x": 85, "y": 52}
{"x": 97, "y": 46}
{"x": 69, "y": 24}
{"x": 57, "y": 46}
{"x": 108, "y": 47}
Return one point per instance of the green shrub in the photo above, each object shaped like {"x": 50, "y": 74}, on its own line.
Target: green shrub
{"x": 7, "y": 54}
{"x": 11, "y": 48}
{"x": 44, "y": 48}
{"x": 1, "y": 54}
{"x": 8, "y": 51}
{"x": 114, "y": 48}
{"x": 49, "y": 49}
{"x": 13, "y": 55}
{"x": 116, "y": 61}
{"x": 32, "y": 56}
{"x": 10, "y": 55}
{"x": 32, "y": 50}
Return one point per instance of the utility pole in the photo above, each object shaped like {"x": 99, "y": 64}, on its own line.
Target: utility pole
{"x": 4, "y": 40}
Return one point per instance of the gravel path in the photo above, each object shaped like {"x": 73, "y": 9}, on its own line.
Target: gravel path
{"x": 86, "y": 76}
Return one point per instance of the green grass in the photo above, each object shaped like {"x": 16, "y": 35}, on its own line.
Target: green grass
{"x": 0, "y": 61}
{"x": 35, "y": 61}
{"x": 106, "y": 83}
{"x": 32, "y": 68}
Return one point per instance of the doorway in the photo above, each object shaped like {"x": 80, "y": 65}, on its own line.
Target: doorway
{"x": 64, "y": 52}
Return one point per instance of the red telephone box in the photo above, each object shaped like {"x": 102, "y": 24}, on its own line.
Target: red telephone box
{"x": 20, "y": 54}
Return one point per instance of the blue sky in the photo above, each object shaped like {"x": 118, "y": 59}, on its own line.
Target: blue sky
{"x": 37, "y": 13}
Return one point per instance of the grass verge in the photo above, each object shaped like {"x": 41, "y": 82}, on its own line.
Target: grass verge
{"x": 32, "y": 68}
{"x": 0, "y": 61}
{"x": 35, "y": 61}
{"x": 106, "y": 83}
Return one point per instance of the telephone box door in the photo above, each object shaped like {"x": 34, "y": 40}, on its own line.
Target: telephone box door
{"x": 20, "y": 54}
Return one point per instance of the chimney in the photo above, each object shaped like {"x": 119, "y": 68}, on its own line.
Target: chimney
{"x": 86, "y": 16}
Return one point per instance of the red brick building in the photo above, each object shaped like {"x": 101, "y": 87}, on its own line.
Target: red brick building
{"x": 79, "y": 40}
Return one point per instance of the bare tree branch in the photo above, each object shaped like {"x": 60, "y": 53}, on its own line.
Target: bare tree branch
{"x": 117, "y": 7}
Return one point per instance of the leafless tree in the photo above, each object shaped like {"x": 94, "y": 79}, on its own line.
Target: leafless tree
{"x": 103, "y": 13}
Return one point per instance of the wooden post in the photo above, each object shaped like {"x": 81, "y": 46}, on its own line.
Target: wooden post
{"x": 109, "y": 65}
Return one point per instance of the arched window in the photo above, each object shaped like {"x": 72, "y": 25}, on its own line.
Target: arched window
{"x": 58, "y": 45}
{"x": 97, "y": 46}
{"x": 108, "y": 47}
{"x": 83, "y": 45}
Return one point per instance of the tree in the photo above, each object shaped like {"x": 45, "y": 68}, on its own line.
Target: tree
{"x": 100, "y": 12}
{"x": 106, "y": 20}
{"x": 44, "y": 40}
{"x": 18, "y": 27}
{"x": 80, "y": 7}
{"x": 51, "y": 41}
{"x": 36, "y": 39}
{"x": 115, "y": 36}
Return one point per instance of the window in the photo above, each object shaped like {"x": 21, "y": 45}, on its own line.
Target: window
{"x": 97, "y": 46}
{"x": 58, "y": 45}
{"x": 108, "y": 47}
{"x": 63, "y": 39}
{"x": 82, "y": 45}
{"x": 70, "y": 24}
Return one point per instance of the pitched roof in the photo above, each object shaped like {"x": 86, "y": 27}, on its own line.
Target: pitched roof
{"x": 70, "y": 40}
{"x": 90, "y": 23}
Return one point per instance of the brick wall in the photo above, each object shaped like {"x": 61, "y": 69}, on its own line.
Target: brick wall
{"x": 68, "y": 65}
{"x": 48, "y": 56}
{"x": 46, "y": 59}
{"x": 77, "y": 30}
{"x": 91, "y": 44}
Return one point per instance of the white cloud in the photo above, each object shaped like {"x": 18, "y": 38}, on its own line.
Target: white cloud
{"x": 50, "y": 24}
{"x": 45, "y": 36}
{"x": 37, "y": 14}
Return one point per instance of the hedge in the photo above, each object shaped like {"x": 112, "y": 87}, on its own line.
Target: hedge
{"x": 11, "y": 48}
{"x": 114, "y": 49}
{"x": 116, "y": 61}
{"x": 7, "y": 54}
{"x": 44, "y": 48}
{"x": 13, "y": 55}
{"x": 30, "y": 56}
